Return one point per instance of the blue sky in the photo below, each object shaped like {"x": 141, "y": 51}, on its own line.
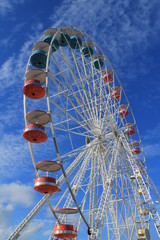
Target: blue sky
{"x": 127, "y": 31}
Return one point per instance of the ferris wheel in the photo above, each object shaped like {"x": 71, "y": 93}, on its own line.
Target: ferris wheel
{"x": 75, "y": 107}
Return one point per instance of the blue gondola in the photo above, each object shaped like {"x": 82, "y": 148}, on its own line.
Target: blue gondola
{"x": 38, "y": 59}
{"x": 55, "y": 43}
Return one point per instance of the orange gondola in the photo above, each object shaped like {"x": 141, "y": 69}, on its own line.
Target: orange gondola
{"x": 65, "y": 231}
{"x": 35, "y": 133}
{"x": 33, "y": 89}
{"x": 46, "y": 185}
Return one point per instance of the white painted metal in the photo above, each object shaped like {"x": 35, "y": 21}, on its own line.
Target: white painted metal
{"x": 103, "y": 177}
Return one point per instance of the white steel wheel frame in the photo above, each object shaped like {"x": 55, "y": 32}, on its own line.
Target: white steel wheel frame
{"x": 98, "y": 174}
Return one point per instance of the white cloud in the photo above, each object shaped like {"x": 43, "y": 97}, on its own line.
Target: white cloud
{"x": 16, "y": 194}
{"x": 8, "y": 6}
{"x": 34, "y": 227}
{"x": 5, "y": 215}
{"x": 47, "y": 233}
{"x": 11, "y": 196}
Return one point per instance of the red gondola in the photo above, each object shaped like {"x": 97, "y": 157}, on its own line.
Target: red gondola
{"x": 107, "y": 76}
{"x": 46, "y": 185}
{"x": 123, "y": 112}
{"x": 116, "y": 93}
{"x": 33, "y": 89}
{"x": 65, "y": 231}
{"x": 35, "y": 133}
{"x": 130, "y": 129}
{"x": 136, "y": 150}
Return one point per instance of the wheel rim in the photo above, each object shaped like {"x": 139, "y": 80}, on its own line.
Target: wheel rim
{"x": 82, "y": 106}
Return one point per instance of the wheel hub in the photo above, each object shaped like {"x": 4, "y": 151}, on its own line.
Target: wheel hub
{"x": 96, "y": 127}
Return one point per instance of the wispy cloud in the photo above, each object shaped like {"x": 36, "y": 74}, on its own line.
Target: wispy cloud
{"x": 14, "y": 155}
{"x": 121, "y": 26}
{"x": 8, "y": 6}
{"x": 11, "y": 38}
{"x": 6, "y": 72}
{"x": 152, "y": 134}
{"x": 152, "y": 150}
{"x": 14, "y": 67}
{"x": 12, "y": 196}
{"x": 151, "y": 142}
